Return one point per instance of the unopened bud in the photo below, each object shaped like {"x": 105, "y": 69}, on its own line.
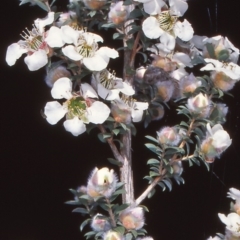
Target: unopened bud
{"x": 188, "y": 84}
{"x": 112, "y": 235}
{"x": 94, "y": 4}
{"x": 132, "y": 218}
{"x": 169, "y": 136}
{"x": 121, "y": 113}
{"x": 55, "y": 73}
{"x": 102, "y": 182}
{"x": 100, "y": 224}
{"x": 163, "y": 62}
{"x": 222, "y": 81}
{"x": 118, "y": 13}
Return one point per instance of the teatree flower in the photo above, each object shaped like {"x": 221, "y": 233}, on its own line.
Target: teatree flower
{"x": 199, "y": 105}
{"x": 102, "y": 182}
{"x": 79, "y": 109}
{"x": 166, "y": 26}
{"x": 235, "y": 195}
{"x": 129, "y": 107}
{"x": 216, "y": 142}
{"x": 232, "y": 70}
{"x": 86, "y": 51}
{"x": 108, "y": 86}
{"x": 132, "y": 218}
{"x": 152, "y": 7}
{"x": 232, "y": 222}
{"x": 178, "y": 7}
{"x": 34, "y": 45}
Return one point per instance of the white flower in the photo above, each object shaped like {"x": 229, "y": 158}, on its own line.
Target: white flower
{"x": 40, "y": 23}
{"x": 235, "y": 195}
{"x": 86, "y": 50}
{"x": 166, "y": 26}
{"x": 152, "y": 7}
{"x": 220, "y": 138}
{"x": 34, "y": 45}
{"x": 109, "y": 86}
{"x": 79, "y": 109}
{"x": 232, "y": 222}
{"x": 232, "y": 70}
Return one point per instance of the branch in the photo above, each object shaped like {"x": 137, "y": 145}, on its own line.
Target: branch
{"x": 111, "y": 214}
{"x": 112, "y": 145}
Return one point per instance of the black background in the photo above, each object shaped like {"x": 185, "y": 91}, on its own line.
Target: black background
{"x": 40, "y": 162}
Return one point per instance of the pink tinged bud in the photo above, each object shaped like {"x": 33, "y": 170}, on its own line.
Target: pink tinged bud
{"x": 140, "y": 72}
{"x": 165, "y": 90}
{"x": 102, "y": 182}
{"x": 94, "y": 4}
{"x": 99, "y": 223}
{"x": 118, "y": 13}
{"x": 132, "y": 218}
{"x": 55, "y": 73}
{"x": 177, "y": 168}
{"x": 169, "y": 136}
{"x": 199, "y": 105}
{"x": 164, "y": 62}
{"x": 222, "y": 81}
{"x": 112, "y": 235}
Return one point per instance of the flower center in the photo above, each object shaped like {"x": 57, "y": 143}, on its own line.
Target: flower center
{"x": 33, "y": 40}
{"x": 87, "y": 50}
{"x": 77, "y": 107}
{"x": 128, "y": 100}
{"x": 166, "y": 20}
{"x": 107, "y": 79}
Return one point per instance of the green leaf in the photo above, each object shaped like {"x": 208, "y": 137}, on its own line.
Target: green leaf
{"x": 210, "y": 49}
{"x": 121, "y": 207}
{"x": 123, "y": 126}
{"x": 42, "y": 6}
{"x": 152, "y": 147}
{"x": 84, "y": 223}
{"x": 130, "y": 43}
{"x": 120, "y": 230}
{"x": 151, "y": 193}
{"x": 108, "y": 25}
{"x": 116, "y": 131}
{"x": 101, "y": 137}
{"x": 168, "y": 183}
{"x": 114, "y": 161}
{"x": 73, "y": 203}
{"x": 145, "y": 57}
{"x": 153, "y": 161}
{"x": 152, "y": 138}
{"x": 134, "y": 233}
{"x": 120, "y": 191}
{"x": 144, "y": 207}
{"x": 127, "y": 2}
{"x": 92, "y": 13}
{"x": 129, "y": 236}
{"x": 118, "y": 36}
{"x": 153, "y": 174}
{"x": 80, "y": 210}
{"x": 135, "y": 13}
{"x": 89, "y": 234}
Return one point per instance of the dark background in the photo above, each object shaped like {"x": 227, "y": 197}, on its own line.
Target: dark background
{"x": 40, "y": 162}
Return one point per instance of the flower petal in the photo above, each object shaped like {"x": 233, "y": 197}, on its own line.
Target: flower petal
{"x": 71, "y": 53}
{"x": 70, "y": 35}
{"x": 98, "y": 112}
{"x": 36, "y": 60}
{"x": 127, "y": 89}
{"x": 14, "y": 52}
{"x": 54, "y": 112}
{"x": 96, "y": 63}
{"x": 183, "y": 30}
{"x": 87, "y": 91}
{"x": 151, "y": 28}
{"x": 54, "y": 37}
{"x": 62, "y": 88}
{"x": 106, "y": 93}
{"x": 41, "y": 23}
{"x": 75, "y": 126}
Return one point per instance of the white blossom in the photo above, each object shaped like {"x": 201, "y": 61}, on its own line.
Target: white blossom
{"x": 33, "y": 44}
{"x": 79, "y": 109}
{"x": 232, "y": 222}
{"x": 86, "y": 50}
{"x": 152, "y": 7}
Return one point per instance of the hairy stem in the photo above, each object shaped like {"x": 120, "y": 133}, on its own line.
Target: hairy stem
{"x": 111, "y": 215}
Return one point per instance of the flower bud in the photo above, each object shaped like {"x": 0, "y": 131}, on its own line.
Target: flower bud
{"x": 94, "y": 4}
{"x": 216, "y": 142}
{"x": 132, "y": 218}
{"x": 102, "y": 182}
{"x": 118, "y": 13}
{"x": 121, "y": 113}
{"x": 188, "y": 84}
{"x": 164, "y": 62}
{"x": 100, "y": 224}
{"x": 112, "y": 235}
{"x": 235, "y": 195}
{"x": 199, "y": 105}
{"x": 169, "y": 136}
{"x": 55, "y": 73}
{"x": 222, "y": 81}
{"x": 177, "y": 168}
{"x": 218, "y": 113}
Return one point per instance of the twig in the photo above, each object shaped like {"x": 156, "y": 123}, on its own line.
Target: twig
{"x": 111, "y": 214}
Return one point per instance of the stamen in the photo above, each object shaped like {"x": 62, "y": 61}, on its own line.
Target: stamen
{"x": 107, "y": 79}
{"x": 166, "y": 20}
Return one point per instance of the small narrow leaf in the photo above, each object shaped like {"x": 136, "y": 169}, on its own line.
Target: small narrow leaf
{"x": 80, "y": 210}
{"x": 84, "y": 223}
